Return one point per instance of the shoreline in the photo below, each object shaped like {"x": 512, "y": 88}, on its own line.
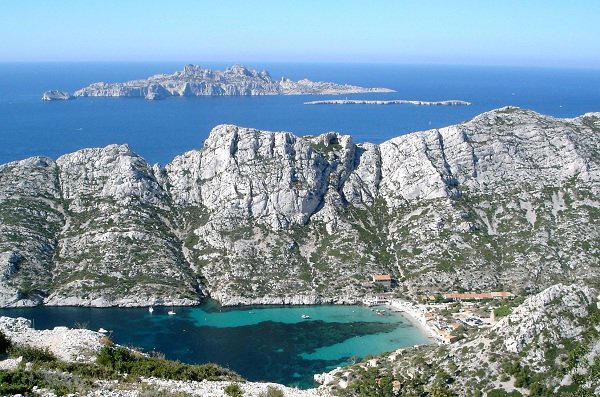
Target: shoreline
{"x": 223, "y": 301}
{"x": 410, "y": 311}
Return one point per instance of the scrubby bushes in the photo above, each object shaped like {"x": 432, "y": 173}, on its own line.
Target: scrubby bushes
{"x": 233, "y": 390}
{"x": 32, "y": 354}
{"x": 502, "y": 311}
{"x": 271, "y": 392}
{"x": 18, "y": 382}
{"x": 111, "y": 363}
{"x": 122, "y": 360}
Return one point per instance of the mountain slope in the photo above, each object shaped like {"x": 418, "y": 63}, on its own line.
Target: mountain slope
{"x": 509, "y": 199}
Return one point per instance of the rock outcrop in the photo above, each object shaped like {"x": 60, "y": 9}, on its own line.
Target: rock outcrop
{"x": 193, "y": 80}
{"x": 71, "y": 345}
{"x": 508, "y": 200}
{"x": 56, "y": 95}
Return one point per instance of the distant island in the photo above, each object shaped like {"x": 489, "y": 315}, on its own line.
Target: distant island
{"x": 237, "y": 80}
{"x": 55, "y": 95}
{"x": 392, "y": 102}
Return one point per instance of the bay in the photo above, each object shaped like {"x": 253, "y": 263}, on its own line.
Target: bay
{"x": 261, "y": 343}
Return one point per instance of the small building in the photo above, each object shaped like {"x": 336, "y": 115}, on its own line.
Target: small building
{"x": 449, "y": 338}
{"x": 383, "y": 280}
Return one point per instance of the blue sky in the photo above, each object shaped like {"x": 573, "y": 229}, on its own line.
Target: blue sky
{"x": 507, "y": 32}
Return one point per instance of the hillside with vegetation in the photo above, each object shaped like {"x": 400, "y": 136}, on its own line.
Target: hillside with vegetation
{"x": 506, "y": 201}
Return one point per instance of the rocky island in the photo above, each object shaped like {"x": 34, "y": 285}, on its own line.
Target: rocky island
{"x": 55, "y": 95}
{"x": 194, "y": 80}
{"x": 391, "y": 102}
{"x": 509, "y": 199}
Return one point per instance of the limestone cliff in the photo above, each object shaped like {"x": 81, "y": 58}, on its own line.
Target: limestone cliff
{"x": 508, "y": 200}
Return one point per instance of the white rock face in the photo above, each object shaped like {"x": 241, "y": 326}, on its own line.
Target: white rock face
{"x": 217, "y": 389}
{"x": 537, "y": 316}
{"x": 508, "y": 198}
{"x": 234, "y": 174}
{"x": 113, "y": 172}
{"x": 236, "y": 80}
{"x": 71, "y": 345}
{"x": 55, "y": 95}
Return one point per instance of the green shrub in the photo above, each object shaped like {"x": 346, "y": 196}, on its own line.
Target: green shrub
{"x": 503, "y": 393}
{"x": 32, "y": 354}
{"x": 18, "y": 382}
{"x": 233, "y": 390}
{"x": 441, "y": 391}
{"x": 271, "y": 392}
{"x": 502, "y": 311}
{"x": 371, "y": 383}
{"x": 5, "y": 343}
{"x": 122, "y": 360}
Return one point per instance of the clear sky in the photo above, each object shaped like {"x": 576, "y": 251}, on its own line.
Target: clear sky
{"x": 507, "y": 32}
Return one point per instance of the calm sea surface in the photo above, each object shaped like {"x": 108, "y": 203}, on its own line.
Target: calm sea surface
{"x": 160, "y": 130}
{"x": 260, "y": 343}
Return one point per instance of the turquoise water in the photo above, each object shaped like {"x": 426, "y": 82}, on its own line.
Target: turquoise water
{"x": 261, "y": 343}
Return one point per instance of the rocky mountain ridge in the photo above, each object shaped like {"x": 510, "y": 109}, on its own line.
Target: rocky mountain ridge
{"x": 507, "y": 200}
{"x": 194, "y": 80}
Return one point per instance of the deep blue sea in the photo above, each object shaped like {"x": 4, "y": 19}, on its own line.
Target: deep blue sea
{"x": 261, "y": 343}
{"x": 160, "y": 130}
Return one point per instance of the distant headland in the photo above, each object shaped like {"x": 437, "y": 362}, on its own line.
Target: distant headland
{"x": 237, "y": 80}
{"x": 392, "y": 102}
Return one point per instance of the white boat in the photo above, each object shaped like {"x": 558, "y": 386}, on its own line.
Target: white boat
{"x": 171, "y": 313}
{"x": 304, "y": 316}
{"x": 102, "y": 331}
{"x": 150, "y": 309}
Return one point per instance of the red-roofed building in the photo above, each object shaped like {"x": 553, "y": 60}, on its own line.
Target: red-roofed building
{"x": 382, "y": 279}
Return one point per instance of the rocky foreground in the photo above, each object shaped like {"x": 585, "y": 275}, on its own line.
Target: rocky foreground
{"x": 193, "y": 80}
{"x": 509, "y": 200}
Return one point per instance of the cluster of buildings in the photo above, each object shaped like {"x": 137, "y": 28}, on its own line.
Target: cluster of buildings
{"x": 441, "y": 328}
{"x": 447, "y": 330}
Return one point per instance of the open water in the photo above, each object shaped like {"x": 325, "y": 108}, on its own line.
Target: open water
{"x": 160, "y": 130}
{"x": 261, "y": 343}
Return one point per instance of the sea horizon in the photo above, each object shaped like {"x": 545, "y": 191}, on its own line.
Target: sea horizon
{"x": 161, "y": 130}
